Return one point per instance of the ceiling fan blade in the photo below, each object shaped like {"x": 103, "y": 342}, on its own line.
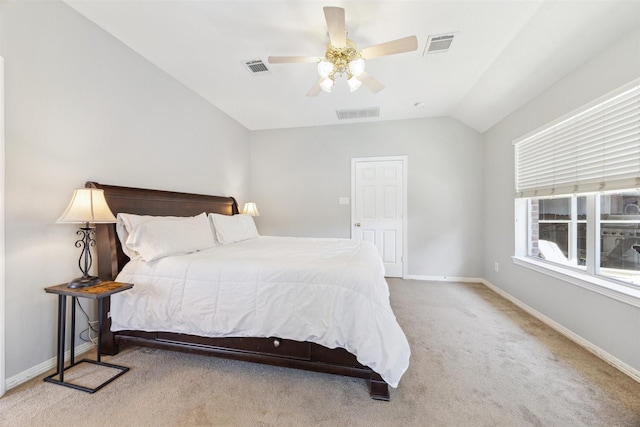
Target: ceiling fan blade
{"x": 315, "y": 89}
{"x": 372, "y": 84}
{"x": 292, "y": 59}
{"x": 407, "y": 44}
{"x": 335, "y": 24}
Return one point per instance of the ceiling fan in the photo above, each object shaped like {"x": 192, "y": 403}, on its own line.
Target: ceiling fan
{"x": 343, "y": 58}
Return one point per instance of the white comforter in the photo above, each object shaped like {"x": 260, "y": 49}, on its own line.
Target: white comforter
{"x": 328, "y": 291}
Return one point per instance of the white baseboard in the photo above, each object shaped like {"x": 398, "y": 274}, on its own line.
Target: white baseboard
{"x": 45, "y": 366}
{"x": 610, "y": 359}
{"x": 445, "y": 279}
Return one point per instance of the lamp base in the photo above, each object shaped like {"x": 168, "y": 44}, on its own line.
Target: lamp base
{"x": 84, "y": 281}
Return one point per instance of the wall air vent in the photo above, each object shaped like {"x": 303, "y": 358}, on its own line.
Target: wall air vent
{"x": 256, "y": 66}
{"x": 362, "y": 113}
{"x": 438, "y": 44}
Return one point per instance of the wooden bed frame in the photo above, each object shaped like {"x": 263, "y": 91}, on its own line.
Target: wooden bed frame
{"x": 273, "y": 351}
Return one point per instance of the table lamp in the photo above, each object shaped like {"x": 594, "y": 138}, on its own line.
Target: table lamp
{"x": 87, "y": 206}
{"x": 250, "y": 208}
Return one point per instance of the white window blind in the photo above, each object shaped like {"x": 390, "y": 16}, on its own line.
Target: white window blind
{"x": 596, "y": 148}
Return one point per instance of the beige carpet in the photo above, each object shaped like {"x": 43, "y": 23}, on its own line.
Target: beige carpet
{"x": 477, "y": 360}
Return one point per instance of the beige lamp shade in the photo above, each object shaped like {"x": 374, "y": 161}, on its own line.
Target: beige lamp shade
{"x": 87, "y": 205}
{"x": 250, "y": 208}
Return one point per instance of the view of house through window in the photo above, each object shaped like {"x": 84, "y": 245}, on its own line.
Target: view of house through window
{"x": 561, "y": 229}
{"x": 620, "y": 235}
{"x": 558, "y": 230}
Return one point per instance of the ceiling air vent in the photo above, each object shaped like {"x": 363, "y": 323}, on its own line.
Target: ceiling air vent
{"x": 256, "y": 66}
{"x": 438, "y": 44}
{"x": 361, "y": 113}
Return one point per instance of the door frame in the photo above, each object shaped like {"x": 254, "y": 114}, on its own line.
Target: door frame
{"x": 3, "y": 381}
{"x": 405, "y": 173}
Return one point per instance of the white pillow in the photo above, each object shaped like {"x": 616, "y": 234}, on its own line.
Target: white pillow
{"x": 233, "y": 228}
{"x": 127, "y": 223}
{"x": 158, "y": 238}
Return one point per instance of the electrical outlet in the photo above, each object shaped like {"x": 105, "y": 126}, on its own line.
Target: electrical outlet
{"x": 496, "y": 267}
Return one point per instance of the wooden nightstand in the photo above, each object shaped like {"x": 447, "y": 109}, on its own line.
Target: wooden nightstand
{"x": 98, "y": 292}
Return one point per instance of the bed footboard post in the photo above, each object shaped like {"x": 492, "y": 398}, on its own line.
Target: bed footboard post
{"x": 378, "y": 388}
{"x": 107, "y": 338}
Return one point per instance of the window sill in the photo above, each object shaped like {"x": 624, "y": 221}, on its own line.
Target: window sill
{"x": 599, "y": 285}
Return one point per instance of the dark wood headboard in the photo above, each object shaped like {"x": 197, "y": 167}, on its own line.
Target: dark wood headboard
{"x": 141, "y": 201}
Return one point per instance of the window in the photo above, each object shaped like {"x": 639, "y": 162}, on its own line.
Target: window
{"x": 559, "y": 229}
{"x": 619, "y": 236}
{"x": 562, "y": 226}
{"x": 578, "y": 190}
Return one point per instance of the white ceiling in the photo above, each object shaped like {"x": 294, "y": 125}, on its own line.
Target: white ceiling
{"x": 504, "y": 53}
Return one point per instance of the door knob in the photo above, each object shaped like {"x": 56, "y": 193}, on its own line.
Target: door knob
{"x": 357, "y": 224}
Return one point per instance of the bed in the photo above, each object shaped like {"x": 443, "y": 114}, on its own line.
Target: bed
{"x": 167, "y": 308}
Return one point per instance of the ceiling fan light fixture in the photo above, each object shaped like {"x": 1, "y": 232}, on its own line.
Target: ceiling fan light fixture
{"x": 354, "y": 83}
{"x": 325, "y": 68}
{"x": 326, "y": 84}
{"x": 356, "y": 67}
{"x": 343, "y": 59}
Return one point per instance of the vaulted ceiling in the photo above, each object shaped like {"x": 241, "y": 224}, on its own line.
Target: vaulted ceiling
{"x": 504, "y": 53}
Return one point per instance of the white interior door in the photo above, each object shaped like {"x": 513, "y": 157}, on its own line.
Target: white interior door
{"x": 378, "y": 194}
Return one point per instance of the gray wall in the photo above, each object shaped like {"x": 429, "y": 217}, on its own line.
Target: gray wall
{"x": 297, "y": 176}
{"x": 82, "y": 106}
{"x": 611, "y": 325}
